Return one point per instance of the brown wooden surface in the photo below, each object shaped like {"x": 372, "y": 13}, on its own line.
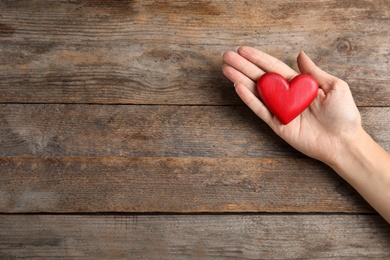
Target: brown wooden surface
{"x": 112, "y": 109}
{"x": 195, "y": 237}
{"x": 169, "y": 52}
{"x": 151, "y": 131}
{"x": 84, "y": 184}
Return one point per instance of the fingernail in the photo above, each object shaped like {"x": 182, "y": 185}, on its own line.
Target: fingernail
{"x": 238, "y": 48}
{"x": 222, "y": 53}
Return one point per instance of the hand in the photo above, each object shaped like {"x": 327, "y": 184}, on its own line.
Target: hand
{"x": 324, "y": 130}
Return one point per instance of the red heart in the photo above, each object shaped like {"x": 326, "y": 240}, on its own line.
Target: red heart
{"x": 287, "y": 100}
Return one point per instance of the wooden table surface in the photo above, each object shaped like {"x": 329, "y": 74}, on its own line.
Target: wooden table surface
{"x": 120, "y": 138}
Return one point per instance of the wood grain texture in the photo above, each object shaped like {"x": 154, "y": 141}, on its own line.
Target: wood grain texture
{"x": 82, "y": 184}
{"x": 168, "y": 52}
{"x": 111, "y": 111}
{"x": 195, "y": 237}
{"x": 151, "y": 131}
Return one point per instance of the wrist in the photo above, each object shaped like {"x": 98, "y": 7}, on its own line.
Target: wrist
{"x": 366, "y": 166}
{"x": 352, "y": 153}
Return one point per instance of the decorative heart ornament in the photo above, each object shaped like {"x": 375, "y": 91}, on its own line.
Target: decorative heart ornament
{"x": 287, "y": 100}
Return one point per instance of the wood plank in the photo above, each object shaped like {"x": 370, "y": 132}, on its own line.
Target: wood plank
{"x": 85, "y": 184}
{"x": 194, "y": 237}
{"x": 168, "y": 52}
{"x": 151, "y": 131}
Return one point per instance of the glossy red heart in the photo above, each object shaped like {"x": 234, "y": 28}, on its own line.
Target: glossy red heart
{"x": 287, "y": 100}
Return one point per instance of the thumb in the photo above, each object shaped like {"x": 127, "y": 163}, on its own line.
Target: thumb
{"x": 307, "y": 66}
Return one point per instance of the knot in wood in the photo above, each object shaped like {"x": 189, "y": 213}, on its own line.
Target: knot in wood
{"x": 343, "y": 46}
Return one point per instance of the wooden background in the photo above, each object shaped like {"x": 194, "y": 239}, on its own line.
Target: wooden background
{"x": 121, "y": 138}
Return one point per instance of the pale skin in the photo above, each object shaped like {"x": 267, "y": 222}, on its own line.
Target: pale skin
{"x": 329, "y": 130}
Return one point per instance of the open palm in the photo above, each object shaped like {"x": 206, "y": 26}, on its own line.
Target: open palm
{"x": 331, "y": 121}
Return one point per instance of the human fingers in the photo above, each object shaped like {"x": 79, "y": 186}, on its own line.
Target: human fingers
{"x": 254, "y": 104}
{"x": 307, "y": 66}
{"x": 267, "y": 62}
{"x": 239, "y": 78}
{"x": 243, "y": 65}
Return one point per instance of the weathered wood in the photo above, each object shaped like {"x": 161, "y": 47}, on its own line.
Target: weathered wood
{"x": 176, "y": 158}
{"x": 82, "y": 184}
{"x": 195, "y": 237}
{"x": 168, "y": 52}
{"x": 151, "y": 131}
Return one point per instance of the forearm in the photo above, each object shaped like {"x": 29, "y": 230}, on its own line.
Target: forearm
{"x": 366, "y": 166}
